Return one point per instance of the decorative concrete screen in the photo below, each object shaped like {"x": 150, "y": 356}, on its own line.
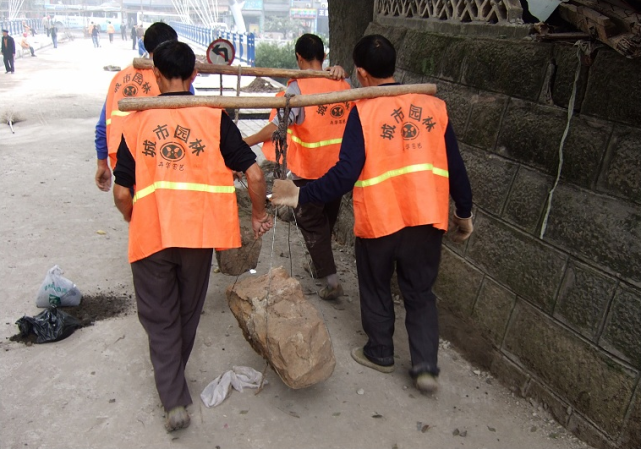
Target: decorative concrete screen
{"x": 485, "y": 11}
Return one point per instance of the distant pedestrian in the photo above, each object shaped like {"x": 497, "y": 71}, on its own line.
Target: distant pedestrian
{"x": 24, "y": 43}
{"x": 142, "y": 51}
{"x": 8, "y": 51}
{"x": 54, "y": 36}
{"x": 123, "y": 30}
{"x": 94, "y": 30}
{"x": 134, "y": 36}
{"x": 45, "y": 24}
{"x": 110, "y": 32}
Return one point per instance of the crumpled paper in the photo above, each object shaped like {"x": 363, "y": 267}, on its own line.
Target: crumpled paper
{"x": 238, "y": 377}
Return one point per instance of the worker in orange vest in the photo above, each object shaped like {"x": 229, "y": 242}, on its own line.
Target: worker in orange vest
{"x": 179, "y": 163}
{"x": 111, "y": 30}
{"x": 314, "y": 138}
{"x": 128, "y": 83}
{"x": 400, "y": 156}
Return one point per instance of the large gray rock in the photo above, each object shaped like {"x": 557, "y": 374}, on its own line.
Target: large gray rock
{"x": 283, "y": 327}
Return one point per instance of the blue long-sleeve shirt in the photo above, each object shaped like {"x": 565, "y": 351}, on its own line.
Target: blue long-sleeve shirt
{"x": 101, "y": 134}
{"x": 341, "y": 178}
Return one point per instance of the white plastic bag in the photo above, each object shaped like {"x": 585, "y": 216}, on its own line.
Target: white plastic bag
{"x": 57, "y": 290}
{"x": 240, "y": 377}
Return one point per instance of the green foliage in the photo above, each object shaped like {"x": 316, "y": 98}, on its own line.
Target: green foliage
{"x": 280, "y": 24}
{"x": 276, "y": 56}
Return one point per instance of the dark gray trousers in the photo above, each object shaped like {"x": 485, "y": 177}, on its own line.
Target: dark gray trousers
{"x": 171, "y": 286}
{"x": 316, "y": 222}
{"x": 416, "y": 253}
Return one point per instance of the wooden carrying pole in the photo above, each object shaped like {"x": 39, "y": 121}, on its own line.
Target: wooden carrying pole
{"x": 142, "y": 63}
{"x": 298, "y": 101}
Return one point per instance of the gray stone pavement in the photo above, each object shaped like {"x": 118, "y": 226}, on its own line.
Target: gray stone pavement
{"x": 95, "y": 389}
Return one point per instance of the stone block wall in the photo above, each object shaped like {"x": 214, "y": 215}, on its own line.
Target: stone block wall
{"x": 563, "y": 312}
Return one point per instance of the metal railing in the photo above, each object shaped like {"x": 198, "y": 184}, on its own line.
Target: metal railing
{"x": 15, "y": 27}
{"x": 244, "y": 44}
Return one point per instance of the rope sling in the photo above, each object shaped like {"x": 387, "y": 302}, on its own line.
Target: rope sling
{"x": 279, "y": 139}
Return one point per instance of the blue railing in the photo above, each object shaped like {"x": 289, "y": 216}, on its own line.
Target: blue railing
{"x": 244, "y": 44}
{"x": 15, "y": 27}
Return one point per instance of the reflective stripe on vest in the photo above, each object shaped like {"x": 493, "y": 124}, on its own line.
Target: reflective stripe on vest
{"x": 168, "y": 185}
{"x": 402, "y": 171}
{"x": 322, "y": 143}
{"x": 117, "y": 113}
{"x": 184, "y": 195}
{"x": 405, "y": 179}
{"x": 321, "y": 131}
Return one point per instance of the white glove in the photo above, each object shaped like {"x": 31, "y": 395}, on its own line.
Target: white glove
{"x": 285, "y": 193}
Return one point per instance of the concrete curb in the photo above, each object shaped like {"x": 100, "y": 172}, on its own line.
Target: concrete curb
{"x": 38, "y": 42}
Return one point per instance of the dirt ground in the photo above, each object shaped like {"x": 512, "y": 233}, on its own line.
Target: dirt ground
{"x": 95, "y": 388}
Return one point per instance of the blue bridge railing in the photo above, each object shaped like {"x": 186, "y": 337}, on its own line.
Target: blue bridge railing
{"x": 16, "y": 28}
{"x": 244, "y": 44}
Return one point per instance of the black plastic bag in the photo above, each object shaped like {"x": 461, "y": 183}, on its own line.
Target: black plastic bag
{"x": 50, "y": 325}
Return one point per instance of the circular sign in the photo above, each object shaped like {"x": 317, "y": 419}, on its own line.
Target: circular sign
{"x": 221, "y": 51}
{"x": 172, "y": 152}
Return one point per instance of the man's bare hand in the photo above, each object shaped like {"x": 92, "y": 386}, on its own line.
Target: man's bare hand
{"x": 337, "y": 72}
{"x": 261, "y": 225}
{"x": 103, "y": 175}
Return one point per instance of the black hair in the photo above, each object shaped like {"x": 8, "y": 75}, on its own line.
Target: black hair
{"x": 175, "y": 60}
{"x": 375, "y": 54}
{"x": 156, "y": 34}
{"x": 310, "y": 47}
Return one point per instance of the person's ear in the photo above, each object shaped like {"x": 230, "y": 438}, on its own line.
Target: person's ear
{"x": 362, "y": 76}
{"x": 193, "y": 75}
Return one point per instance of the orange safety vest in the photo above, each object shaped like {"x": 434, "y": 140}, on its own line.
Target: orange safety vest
{"x": 129, "y": 82}
{"x": 184, "y": 194}
{"x": 315, "y": 144}
{"x": 404, "y": 181}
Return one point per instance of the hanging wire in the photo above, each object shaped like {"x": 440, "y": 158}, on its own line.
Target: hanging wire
{"x": 584, "y": 47}
{"x": 280, "y": 143}
{"x": 279, "y": 138}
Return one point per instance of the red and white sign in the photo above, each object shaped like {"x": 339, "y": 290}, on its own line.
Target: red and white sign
{"x": 221, "y": 51}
